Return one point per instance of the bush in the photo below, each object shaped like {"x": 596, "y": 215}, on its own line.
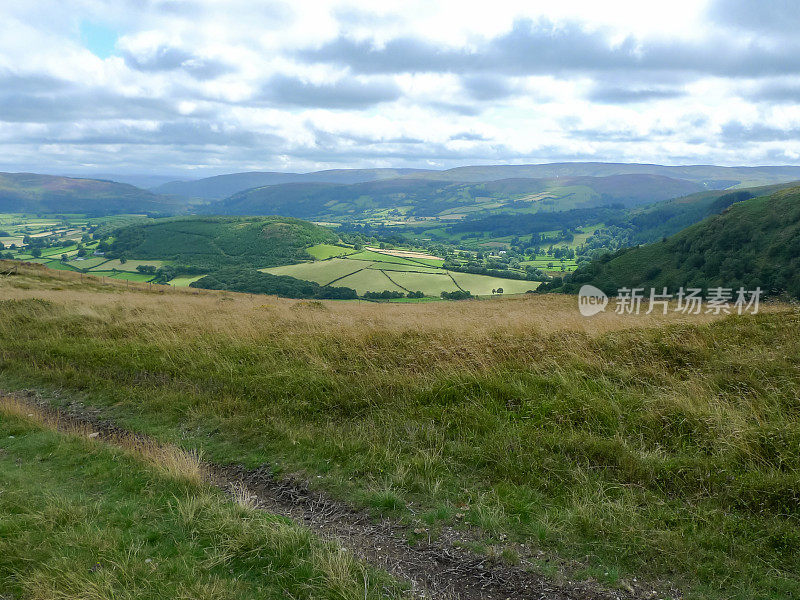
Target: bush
{"x": 384, "y": 295}
{"x": 457, "y": 295}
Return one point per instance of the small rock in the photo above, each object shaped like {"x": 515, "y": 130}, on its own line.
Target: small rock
{"x": 95, "y": 434}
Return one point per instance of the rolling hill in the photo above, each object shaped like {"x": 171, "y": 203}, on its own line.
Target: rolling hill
{"x": 222, "y": 186}
{"x": 428, "y": 198}
{"x": 215, "y": 242}
{"x": 710, "y": 176}
{"x": 753, "y": 243}
{"x": 34, "y": 193}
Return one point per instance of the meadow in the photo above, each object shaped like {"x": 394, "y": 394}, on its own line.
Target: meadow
{"x": 661, "y": 448}
{"x": 73, "y": 527}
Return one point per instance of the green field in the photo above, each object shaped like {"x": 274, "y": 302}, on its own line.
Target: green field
{"x": 322, "y": 272}
{"x": 482, "y": 285}
{"x": 129, "y": 265}
{"x": 323, "y": 251}
{"x": 368, "y": 280}
{"x": 80, "y": 518}
{"x": 184, "y": 281}
{"x": 367, "y": 271}
{"x": 141, "y": 277}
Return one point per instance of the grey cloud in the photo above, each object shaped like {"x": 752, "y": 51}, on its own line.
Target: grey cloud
{"x": 773, "y": 91}
{"x": 170, "y": 58}
{"x": 765, "y": 16}
{"x": 27, "y": 83}
{"x": 87, "y": 103}
{"x": 467, "y": 110}
{"x": 184, "y": 133}
{"x": 735, "y": 131}
{"x": 469, "y": 137}
{"x": 542, "y": 48}
{"x": 629, "y": 95}
{"x": 487, "y": 87}
{"x": 342, "y": 94}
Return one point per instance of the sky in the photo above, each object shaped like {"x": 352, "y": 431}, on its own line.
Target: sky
{"x": 191, "y": 88}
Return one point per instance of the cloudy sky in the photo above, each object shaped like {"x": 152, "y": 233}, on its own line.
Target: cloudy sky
{"x": 199, "y": 87}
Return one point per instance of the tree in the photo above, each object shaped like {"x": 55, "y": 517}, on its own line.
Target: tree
{"x": 81, "y": 251}
{"x": 499, "y": 290}
{"x": 36, "y": 252}
{"x": 64, "y": 258}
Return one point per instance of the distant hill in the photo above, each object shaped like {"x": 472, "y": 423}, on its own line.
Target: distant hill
{"x": 433, "y": 198}
{"x": 755, "y": 242}
{"x": 222, "y": 186}
{"x": 214, "y": 242}
{"x": 34, "y": 193}
{"x": 710, "y": 176}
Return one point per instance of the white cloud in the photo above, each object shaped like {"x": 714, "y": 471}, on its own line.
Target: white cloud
{"x": 207, "y": 86}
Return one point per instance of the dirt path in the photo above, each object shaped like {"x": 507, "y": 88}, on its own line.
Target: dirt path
{"x": 436, "y": 568}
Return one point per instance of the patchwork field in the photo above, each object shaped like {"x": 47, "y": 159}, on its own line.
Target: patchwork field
{"x": 376, "y": 271}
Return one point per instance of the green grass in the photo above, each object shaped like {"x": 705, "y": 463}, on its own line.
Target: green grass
{"x": 663, "y": 454}
{"x": 482, "y": 285}
{"x": 323, "y": 251}
{"x": 431, "y": 284}
{"x": 129, "y": 265}
{"x": 322, "y": 272}
{"x": 184, "y": 281}
{"x": 141, "y": 277}
{"x": 369, "y": 280}
{"x": 82, "y": 520}
{"x": 385, "y": 258}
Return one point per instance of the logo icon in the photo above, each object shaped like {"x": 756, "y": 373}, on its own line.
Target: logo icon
{"x": 591, "y": 300}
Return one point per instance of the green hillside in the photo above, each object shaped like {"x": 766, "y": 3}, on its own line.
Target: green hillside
{"x": 404, "y": 199}
{"x": 652, "y": 222}
{"x": 34, "y": 193}
{"x": 752, "y": 243}
{"x": 214, "y": 242}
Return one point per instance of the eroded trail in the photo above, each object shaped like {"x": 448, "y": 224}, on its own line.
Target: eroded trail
{"x": 436, "y": 568}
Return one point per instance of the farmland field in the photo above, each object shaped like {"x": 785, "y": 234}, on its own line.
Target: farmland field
{"x": 129, "y": 265}
{"x": 429, "y": 284}
{"x": 323, "y": 251}
{"x": 482, "y": 285}
{"x": 369, "y": 280}
{"x": 184, "y": 281}
{"x": 322, "y": 272}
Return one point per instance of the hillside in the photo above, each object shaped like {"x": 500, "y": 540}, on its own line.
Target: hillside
{"x": 662, "y": 219}
{"x": 214, "y": 242}
{"x": 619, "y": 449}
{"x": 428, "y": 198}
{"x": 34, "y": 193}
{"x": 753, "y": 243}
{"x": 222, "y": 186}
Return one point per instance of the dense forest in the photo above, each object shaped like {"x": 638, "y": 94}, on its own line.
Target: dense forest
{"x": 215, "y": 242}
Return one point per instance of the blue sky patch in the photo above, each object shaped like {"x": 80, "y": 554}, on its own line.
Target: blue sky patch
{"x": 99, "y": 39}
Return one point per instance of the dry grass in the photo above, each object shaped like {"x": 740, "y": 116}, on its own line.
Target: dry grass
{"x": 170, "y": 460}
{"x": 247, "y": 316}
